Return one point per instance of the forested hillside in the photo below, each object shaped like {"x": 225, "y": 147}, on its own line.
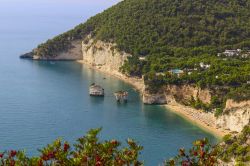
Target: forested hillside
{"x": 145, "y": 27}
{"x": 183, "y": 34}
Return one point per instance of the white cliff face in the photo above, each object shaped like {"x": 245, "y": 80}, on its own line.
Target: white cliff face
{"x": 103, "y": 55}
{"x": 174, "y": 93}
{"x": 158, "y": 98}
{"x": 235, "y": 117}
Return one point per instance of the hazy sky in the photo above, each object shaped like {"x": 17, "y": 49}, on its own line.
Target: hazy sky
{"x": 39, "y": 20}
{"x": 50, "y": 7}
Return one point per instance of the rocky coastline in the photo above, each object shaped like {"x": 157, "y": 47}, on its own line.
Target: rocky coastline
{"x": 104, "y": 57}
{"x": 206, "y": 121}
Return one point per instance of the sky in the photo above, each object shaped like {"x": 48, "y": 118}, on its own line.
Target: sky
{"x": 50, "y": 7}
{"x": 43, "y": 19}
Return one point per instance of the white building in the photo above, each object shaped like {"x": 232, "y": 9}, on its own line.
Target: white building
{"x": 232, "y": 53}
{"x": 204, "y": 66}
{"x": 142, "y": 58}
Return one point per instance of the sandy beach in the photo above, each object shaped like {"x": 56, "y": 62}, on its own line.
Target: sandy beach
{"x": 205, "y": 121}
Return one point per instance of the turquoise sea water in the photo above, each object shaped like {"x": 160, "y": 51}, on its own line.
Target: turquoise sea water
{"x": 41, "y": 101}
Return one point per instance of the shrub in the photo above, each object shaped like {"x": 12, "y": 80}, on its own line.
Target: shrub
{"x": 202, "y": 154}
{"x": 88, "y": 151}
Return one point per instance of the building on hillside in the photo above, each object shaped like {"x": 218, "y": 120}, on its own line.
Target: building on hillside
{"x": 235, "y": 53}
{"x": 231, "y": 53}
{"x": 204, "y": 66}
{"x": 160, "y": 74}
{"x": 178, "y": 72}
{"x": 246, "y": 55}
{"x": 142, "y": 58}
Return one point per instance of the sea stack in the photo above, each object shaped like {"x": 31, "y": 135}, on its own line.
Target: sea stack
{"x": 121, "y": 96}
{"x": 96, "y": 90}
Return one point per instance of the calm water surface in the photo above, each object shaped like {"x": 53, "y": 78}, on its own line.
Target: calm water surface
{"x": 41, "y": 101}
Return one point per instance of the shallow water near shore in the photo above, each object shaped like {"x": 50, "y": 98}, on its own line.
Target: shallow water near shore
{"x": 41, "y": 101}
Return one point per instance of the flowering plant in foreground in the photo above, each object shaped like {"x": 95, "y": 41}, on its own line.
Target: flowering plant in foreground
{"x": 201, "y": 154}
{"x": 88, "y": 151}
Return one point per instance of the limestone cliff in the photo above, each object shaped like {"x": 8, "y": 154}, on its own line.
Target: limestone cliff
{"x": 103, "y": 55}
{"x": 235, "y": 116}
{"x": 172, "y": 93}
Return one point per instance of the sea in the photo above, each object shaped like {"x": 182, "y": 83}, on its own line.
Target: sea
{"x": 41, "y": 101}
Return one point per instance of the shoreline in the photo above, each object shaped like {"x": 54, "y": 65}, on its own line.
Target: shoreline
{"x": 137, "y": 83}
{"x": 203, "y": 120}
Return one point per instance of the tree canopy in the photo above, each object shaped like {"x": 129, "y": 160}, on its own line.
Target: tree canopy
{"x": 173, "y": 34}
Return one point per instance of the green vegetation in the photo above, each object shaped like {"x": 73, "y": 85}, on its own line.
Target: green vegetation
{"x": 236, "y": 147}
{"x": 201, "y": 154}
{"x": 90, "y": 151}
{"x": 174, "y": 35}
{"x": 198, "y": 104}
{"x": 165, "y": 27}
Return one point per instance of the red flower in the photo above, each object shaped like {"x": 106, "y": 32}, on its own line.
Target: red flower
{"x": 98, "y": 158}
{"x": 12, "y": 163}
{"x": 66, "y": 147}
{"x": 51, "y": 155}
{"x": 185, "y": 163}
{"x": 1, "y": 155}
{"x": 195, "y": 153}
{"x": 114, "y": 142}
{"x": 202, "y": 144}
{"x": 13, "y": 153}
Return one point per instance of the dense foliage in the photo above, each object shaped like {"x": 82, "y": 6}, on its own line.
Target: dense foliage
{"x": 202, "y": 154}
{"x": 146, "y": 27}
{"x": 236, "y": 147}
{"x": 178, "y": 34}
{"x": 226, "y": 78}
{"x": 90, "y": 151}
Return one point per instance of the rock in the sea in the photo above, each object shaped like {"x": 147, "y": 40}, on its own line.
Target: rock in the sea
{"x": 96, "y": 90}
{"x": 121, "y": 96}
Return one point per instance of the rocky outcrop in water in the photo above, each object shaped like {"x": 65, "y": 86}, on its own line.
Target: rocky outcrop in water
{"x": 104, "y": 56}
